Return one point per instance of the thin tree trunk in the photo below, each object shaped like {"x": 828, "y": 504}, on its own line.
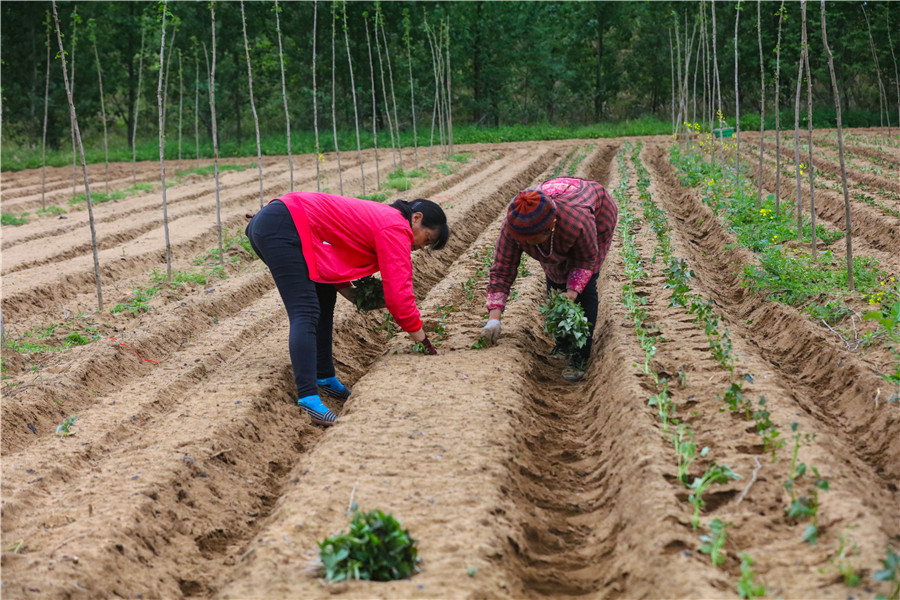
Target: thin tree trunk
{"x": 881, "y": 90}
{"x": 180, "y": 104}
{"x": 137, "y": 106}
{"x": 387, "y": 56}
{"x": 287, "y": 116}
{"x": 196, "y": 105}
{"x": 168, "y": 70}
{"x": 215, "y": 133}
{"x": 87, "y": 187}
{"x": 777, "y": 114}
{"x": 797, "y": 150}
{"x": 337, "y": 150}
{"x": 719, "y": 115}
{"x": 837, "y": 105}
{"x": 387, "y": 109}
{"x": 762, "y": 102}
{"x": 44, "y": 137}
{"x": 680, "y": 116}
{"x": 162, "y": 143}
{"x": 103, "y": 116}
{"x": 362, "y": 171}
{"x": 812, "y": 170}
{"x": 253, "y": 105}
{"x": 672, "y": 77}
{"x": 737, "y": 104}
{"x": 412, "y": 92}
{"x": 697, "y": 62}
{"x": 316, "y": 98}
{"x": 894, "y": 59}
{"x": 75, "y": 19}
{"x": 435, "y": 112}
{"x": 449, "y": 91}
{"x": 374, "y": 105}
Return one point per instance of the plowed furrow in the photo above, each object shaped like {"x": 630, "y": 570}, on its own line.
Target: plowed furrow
{"x": 228, "y": 462}
{"x": 733, "y": 438}
{"x": 843, "y": 387}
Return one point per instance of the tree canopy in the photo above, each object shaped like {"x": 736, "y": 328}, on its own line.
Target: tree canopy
{"x": 560, "y": 63}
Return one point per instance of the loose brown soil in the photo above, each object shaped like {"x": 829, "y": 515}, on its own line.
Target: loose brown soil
{"x": 191, "y": 472}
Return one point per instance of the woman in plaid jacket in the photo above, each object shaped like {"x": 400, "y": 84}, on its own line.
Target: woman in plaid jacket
{"x": 567, "y": 225}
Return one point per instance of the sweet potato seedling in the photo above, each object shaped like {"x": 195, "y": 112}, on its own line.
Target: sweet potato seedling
{"x": 565, "y": 321}
{"x": 376, "y": 548}
{"x": 746, "y": 587}
{"x": 714, "y": 543}
{"x": 715, "y": 473}
{"x": 368, "y": 293}
{"x": 65, "y": 430}
{"x": 890, "y": 573}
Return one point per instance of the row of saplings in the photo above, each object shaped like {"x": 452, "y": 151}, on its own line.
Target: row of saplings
{"x": 376, "y": 547}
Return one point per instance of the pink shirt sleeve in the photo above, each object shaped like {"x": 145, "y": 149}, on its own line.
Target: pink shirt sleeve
{"x": 393, "y": 246}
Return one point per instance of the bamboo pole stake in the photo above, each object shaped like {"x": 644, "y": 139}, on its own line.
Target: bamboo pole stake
{"x": 762, "y": 102}
{"x": 316, "y": 98}
{"x": 46, "y": 103}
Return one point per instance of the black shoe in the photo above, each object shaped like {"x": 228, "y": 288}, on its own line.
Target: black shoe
{"x": 574, "y": 371}
{"x": 560, "y": 353}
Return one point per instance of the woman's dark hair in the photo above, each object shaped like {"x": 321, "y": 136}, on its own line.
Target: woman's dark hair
{"x": 433, "y": 217}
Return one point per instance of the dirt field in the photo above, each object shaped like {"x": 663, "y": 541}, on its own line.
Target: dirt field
{"x": 192, "y": 473}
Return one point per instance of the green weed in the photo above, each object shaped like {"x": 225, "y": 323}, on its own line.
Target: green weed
{"x": 891, "y": 573}
{"x": 137, "y": 302}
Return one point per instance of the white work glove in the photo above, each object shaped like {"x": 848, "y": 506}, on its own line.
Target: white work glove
{"x": 491, "y": 332}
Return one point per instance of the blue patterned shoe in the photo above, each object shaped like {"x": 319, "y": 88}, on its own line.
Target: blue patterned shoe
{"x": 318, "y": 412}
{"x": 334, "y": 388}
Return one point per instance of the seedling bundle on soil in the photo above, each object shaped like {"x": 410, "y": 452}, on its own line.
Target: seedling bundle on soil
{"x": 368, "y": 293}
{"x": 565, "y": 321}
{"x": 376, "y": 548}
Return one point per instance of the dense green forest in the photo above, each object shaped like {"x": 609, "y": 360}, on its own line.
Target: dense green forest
{"x": 510, "y": 64}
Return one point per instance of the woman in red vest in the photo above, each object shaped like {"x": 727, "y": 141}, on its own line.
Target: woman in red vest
{"x": 315, "y": 244}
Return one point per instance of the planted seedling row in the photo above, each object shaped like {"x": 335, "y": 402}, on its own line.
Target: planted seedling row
{"x": 649, "y": 335}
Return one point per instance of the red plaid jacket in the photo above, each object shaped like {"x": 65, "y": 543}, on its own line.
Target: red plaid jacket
{"x": 586, "y": 220}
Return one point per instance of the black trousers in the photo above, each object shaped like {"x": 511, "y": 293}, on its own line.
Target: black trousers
{"x": 590, "y": 302}
{"x": 309, "y": 305}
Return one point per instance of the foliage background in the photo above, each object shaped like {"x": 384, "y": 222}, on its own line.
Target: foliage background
{"x": 546, "y": 64}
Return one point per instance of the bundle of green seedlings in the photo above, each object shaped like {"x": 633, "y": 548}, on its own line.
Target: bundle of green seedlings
{"x": 564, "y": 320}
{"x": 368, "y": 293}
{"x": 376, "y": 548}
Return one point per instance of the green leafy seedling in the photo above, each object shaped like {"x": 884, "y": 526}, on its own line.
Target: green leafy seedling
{"x": 65, "y": 430}
{"x": 715, "y": 473}
{"x": 565, "y": 321}
{"x": 368, "y": 294}
{"x": 480, "y": 343}
{"x": 714, "y": 543}
{"x": 747, "y": 588}
{"x": 376, "y": 548}
{"x": 890, "y": 572}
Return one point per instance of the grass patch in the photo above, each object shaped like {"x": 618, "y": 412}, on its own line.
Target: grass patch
{"x": 376, "y": 196}
{"x": 137, "y": 302}
{"x": 210, "y": 169}
{"x": 50, "y": 210}
{"x": 11, "y": 219}
{"x": 401, "y": 180}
